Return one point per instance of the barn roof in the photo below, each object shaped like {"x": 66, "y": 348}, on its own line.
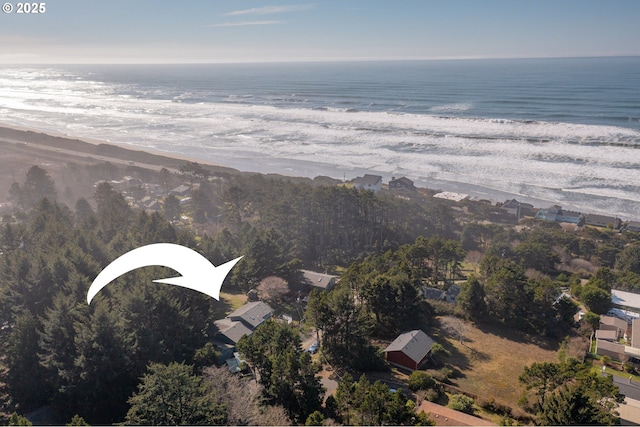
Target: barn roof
{"x": 415, "y": 344}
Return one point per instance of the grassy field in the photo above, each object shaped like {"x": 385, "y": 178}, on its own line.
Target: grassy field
{"x": 490, "y": 359}
{"x": 229, "y": 301}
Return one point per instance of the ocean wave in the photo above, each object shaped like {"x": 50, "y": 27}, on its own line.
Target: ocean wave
{"x": 451, "y": 108}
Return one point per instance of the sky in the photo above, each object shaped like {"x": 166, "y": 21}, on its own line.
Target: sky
{"x": 210, "y": 31}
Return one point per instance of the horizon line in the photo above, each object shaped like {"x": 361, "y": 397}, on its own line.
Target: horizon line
{"x": 322, "y": 60}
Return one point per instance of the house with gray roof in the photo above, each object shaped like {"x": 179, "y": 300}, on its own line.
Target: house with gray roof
{"x": 602, "y": 221}
{"x": 181, "y": 190}
{"x": 231, "y": 331}
{"x": 633, "y": 226}
{"x": 402, "y": 183}
{"x": 252, "y": 314}
{"x": 433, "y": 293}
{"x": 241, "y": 322}
{"x": 555, "y": 213}
{"x": 319, "y": 280}
{"x": 368, "y": 182}
{"x": 409, "y": 350}
{"x": 518, "y": 209}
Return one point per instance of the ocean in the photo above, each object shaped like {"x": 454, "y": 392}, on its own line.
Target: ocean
{"x": 551, "y": 131}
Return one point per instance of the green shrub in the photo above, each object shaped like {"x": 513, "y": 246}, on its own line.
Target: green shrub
{"x": 420, "y": 380}
{"x": 461, "y": 403}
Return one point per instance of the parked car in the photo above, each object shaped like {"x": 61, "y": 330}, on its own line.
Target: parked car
{"x": 313, "y": 347}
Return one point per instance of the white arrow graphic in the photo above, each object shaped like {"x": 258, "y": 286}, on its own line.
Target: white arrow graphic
{"x": 196, "y": 271}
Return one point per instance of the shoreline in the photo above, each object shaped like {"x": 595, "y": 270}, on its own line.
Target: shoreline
{"x": 91, "y": 149}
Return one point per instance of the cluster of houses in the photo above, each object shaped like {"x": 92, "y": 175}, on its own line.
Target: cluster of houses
{"x": 154, "y": 193}
{"x": 513, "y": 207}
{"x": 374, "y": 183}
{"x": 148, "y": 196}
{"x": 556, "y": 213}
{"x": 409, "y": 351}
{"x": 246, "y": 319}
{"x": 618, "y": 335}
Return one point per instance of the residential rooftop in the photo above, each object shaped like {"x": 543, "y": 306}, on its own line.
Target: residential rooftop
{"x": 625, "y": 299}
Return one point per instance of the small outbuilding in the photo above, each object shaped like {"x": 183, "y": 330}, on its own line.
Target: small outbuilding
{"x": 409, "y": 350}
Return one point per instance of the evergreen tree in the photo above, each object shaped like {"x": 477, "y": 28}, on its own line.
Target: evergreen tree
{"x": 59, "y": 352}
{"x": 25, "y": 377}
{"x": 105, "y": 381}
{"x": 507, "y": 294}
{"x": 571, "y": 393}
{"x": 85, "y": 217}
{"x": 38, "y": 185}
{"x": 284, "y": 370}
{"x": 171, "y": 207}
{"x": 19, "y": 420}
{"x": 472, "y": 298}
{"x": 172, "y": 395}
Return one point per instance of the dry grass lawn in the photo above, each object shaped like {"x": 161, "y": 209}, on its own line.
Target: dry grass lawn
{"x": 228, "y": 303}
{"x": 490, "y": 360}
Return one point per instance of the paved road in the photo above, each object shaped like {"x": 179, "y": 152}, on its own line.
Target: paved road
{"x": 628, "y": 387}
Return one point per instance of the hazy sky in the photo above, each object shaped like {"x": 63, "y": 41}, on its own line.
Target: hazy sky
{"x": 122, "y": 31}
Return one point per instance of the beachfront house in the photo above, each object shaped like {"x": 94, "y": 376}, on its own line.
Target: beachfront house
{"x": 368, "y": 182}
{"x": 555, "y": 213}
{"x": 402, "y": 183}
{"x": 448, "y": 195}
{"x": 602, "y": 221}
{"x": 517, "y": 209}
{"x": 633, "y": 226}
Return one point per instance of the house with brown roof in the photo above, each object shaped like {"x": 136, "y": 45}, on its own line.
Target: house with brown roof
{"x": 443, "y": 416}
{"x": 635, "y": 333}
{"x": 607, "y": 335}
{"x": 616, "y": 324}
{"x": 613, "y": 350}
{"x": 409, "y": 350}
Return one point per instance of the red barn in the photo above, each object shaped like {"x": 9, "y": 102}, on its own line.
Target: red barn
{"x": 410, "y": 350}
